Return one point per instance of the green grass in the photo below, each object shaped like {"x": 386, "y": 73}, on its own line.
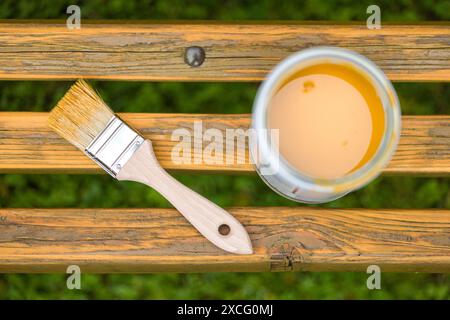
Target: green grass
{"x": 48, "y": 191}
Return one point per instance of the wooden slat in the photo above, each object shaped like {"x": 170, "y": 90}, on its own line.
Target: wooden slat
{"x": 234, "y": 52}
{"x": 27, "y": 145}
{"x": 284, "y": 239}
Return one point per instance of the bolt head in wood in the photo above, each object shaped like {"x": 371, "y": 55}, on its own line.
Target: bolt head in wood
{"x": 194, "y": 56}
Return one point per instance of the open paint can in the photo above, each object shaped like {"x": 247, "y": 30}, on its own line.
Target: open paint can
{"x": 325, "y": 122}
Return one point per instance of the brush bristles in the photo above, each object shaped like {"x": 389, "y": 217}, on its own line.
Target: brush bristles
{"x": 80, "y": 115}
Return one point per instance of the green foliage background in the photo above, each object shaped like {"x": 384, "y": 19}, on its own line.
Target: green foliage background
{"x": 48, "y": 191}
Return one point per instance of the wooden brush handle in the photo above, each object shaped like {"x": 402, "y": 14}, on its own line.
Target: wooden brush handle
{"x": 213, "y": 222}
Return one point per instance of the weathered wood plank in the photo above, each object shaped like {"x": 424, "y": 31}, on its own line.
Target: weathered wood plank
{"x": 284, "y": 239}
{"x": 27, "y": 145}
{"x": 234, "y": 52}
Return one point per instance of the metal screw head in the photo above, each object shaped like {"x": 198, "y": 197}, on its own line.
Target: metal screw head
{"x": 194, "y": 56}
{"x": 118, "y": 166}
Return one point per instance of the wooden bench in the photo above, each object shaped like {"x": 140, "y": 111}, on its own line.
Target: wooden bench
{"x": 155, "y": 240}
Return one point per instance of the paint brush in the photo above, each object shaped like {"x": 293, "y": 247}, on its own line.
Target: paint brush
{"x": 84, "y": 119}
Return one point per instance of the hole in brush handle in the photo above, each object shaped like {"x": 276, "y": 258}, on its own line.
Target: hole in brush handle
{"x": 224, "y": 229}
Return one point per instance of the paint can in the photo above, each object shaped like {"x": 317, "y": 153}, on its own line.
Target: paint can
{"x": 287, "y": 180}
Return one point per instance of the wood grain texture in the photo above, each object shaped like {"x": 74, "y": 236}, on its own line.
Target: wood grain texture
{"x": 27, "y": 145}
{"x": 234, "y": 52}
{"x": 284, "y": 239}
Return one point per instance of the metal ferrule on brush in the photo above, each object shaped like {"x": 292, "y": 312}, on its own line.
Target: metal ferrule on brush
{"x": 114, "y": 146}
